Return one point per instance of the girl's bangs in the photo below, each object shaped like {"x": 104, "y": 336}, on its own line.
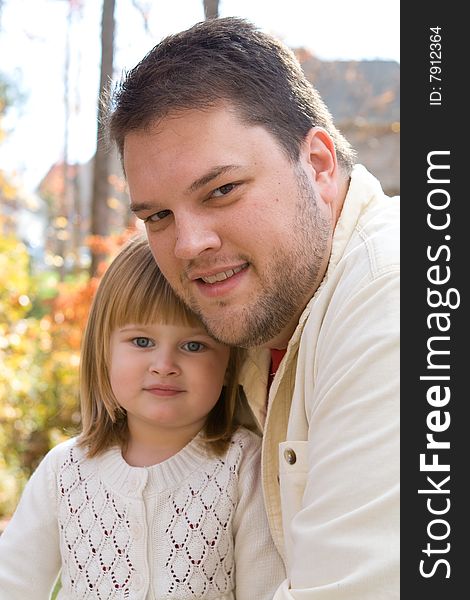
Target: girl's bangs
{"x": 147, "y": 298}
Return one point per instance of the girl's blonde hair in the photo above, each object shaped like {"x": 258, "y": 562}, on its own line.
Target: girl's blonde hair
{"x": 133, "y": 290}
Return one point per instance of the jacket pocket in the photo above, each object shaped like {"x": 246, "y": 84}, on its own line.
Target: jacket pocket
{"x": 293, "y": 471}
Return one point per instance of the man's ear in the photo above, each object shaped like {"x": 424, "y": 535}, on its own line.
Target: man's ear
{"x": 318, "y": 155}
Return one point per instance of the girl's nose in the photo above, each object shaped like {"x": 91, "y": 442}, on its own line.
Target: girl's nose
{"x": 164, "y": 364}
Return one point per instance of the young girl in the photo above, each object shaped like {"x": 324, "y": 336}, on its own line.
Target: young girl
{"x": 160, "y": 495}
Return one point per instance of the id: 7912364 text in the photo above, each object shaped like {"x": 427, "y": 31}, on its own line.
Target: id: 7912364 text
{"x": 435, "y": 66}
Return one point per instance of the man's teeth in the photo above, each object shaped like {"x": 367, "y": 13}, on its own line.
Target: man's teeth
{"x": 222, "y": 275}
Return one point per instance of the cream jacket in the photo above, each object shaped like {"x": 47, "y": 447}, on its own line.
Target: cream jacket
{"x": 330, "y": 458}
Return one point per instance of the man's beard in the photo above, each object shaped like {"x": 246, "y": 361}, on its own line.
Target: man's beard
{"x": 289, "y": 282}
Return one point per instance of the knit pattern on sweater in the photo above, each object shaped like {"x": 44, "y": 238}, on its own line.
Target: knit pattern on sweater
{"x": 96, "y": 542}
{"x": 195, "y": 517}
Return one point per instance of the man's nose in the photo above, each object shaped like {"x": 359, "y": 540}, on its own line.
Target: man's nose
{"x": 195, "y": 235}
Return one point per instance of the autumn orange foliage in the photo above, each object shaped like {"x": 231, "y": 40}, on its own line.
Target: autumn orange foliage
{"x": 41, "y": 326}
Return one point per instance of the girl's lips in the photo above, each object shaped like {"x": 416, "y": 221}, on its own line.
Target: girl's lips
{"x": 163, "y": 390}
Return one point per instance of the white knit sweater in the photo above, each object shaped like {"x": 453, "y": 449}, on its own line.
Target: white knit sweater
{"x": 191, "y": 527}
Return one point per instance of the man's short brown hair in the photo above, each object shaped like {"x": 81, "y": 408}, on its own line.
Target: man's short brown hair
{"x": 225, "y": 60}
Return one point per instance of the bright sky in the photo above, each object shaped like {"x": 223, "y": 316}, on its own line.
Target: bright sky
{"x": 32, "y": 51}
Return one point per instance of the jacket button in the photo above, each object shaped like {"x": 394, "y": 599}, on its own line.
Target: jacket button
{"x": 290, "y": 456}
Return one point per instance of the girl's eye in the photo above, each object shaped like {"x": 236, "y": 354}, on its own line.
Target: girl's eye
{"x": 142, "y": 342}
{"x": 223, "y": 190}
{"x": 161, "y": 214}
{"x": 193, "y": 346}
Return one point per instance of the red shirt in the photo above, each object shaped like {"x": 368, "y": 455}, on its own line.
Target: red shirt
{"x": 276, "y": 357}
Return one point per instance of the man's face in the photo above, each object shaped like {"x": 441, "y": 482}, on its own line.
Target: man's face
{"x": 236, "y": 228}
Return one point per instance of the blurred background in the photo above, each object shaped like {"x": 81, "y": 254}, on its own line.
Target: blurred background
{"x": 63, "y": 202}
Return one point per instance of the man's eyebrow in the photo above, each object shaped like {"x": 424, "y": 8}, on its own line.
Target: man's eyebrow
{"x": 209, "y": 176}
{"x": 136, "y": 207}
{"x": 196, "y": 185}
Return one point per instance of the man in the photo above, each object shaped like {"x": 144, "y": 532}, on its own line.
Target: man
{"x": 260, "y": 221}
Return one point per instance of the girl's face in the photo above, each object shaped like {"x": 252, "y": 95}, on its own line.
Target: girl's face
{"x": 167, "y": 377}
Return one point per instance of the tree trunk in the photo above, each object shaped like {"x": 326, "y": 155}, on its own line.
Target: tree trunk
{"x": 100, "y": 211}
{"x": 63, "y": 223}
{"x": 211, "y": 9}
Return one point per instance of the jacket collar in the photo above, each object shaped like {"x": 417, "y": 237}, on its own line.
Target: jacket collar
{"x": 363, "y": 187}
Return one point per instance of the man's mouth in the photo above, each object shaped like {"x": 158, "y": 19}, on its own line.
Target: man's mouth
{"x": 223, "y": 275}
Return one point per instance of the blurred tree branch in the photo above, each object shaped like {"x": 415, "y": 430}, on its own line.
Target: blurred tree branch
{"x": 211, "y": 9}
{"x": 100, "y": 209}
{"x": 144, "y": 13}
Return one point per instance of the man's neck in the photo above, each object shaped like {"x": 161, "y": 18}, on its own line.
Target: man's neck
{"x": 281, "y": 340}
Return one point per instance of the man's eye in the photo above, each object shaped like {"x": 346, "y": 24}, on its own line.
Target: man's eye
{"x": 193, "y": 346}
{"x": 142, "y": 342}
{"x": 161, "y": 214}
{"x": 223, "y": 190}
